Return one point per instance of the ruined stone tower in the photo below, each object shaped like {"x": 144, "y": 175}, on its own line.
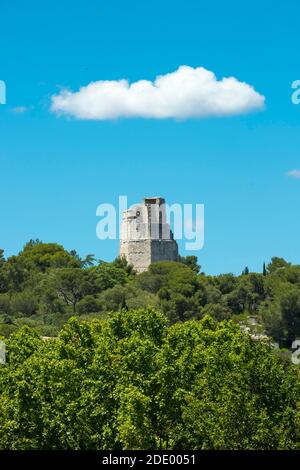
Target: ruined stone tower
{"x": 145, "y": 235}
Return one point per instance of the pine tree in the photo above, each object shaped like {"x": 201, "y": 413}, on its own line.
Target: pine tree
{"x": 264, "y": 269}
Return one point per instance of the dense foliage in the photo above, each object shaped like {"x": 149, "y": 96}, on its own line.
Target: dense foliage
{"x": 133, "y": 382}
{"x": 99, "y": 357}
{"x": 44, "y": 285}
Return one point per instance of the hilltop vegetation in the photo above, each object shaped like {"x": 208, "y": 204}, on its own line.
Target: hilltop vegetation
{"x": 44, "y": 285}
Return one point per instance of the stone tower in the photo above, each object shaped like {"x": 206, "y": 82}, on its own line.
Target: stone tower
{"x": 145, "y": 235}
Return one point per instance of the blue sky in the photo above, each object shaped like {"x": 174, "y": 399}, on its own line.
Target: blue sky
{"x": 56, "y": 170}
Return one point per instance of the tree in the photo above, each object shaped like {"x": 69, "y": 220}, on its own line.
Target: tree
{"x": 133, "y": 382}
{"x": 277, "y": 263}
{"x": 191, "y": 262}
{"x": 216, "y": 311}
{"x": 70, "y": 285}
{"x": 176, "y": 286}
{"x": 290, "y": 311}
{"x": 225, "y": 282}
{"x": 85, "y": 262}
{"x": 107, "y": 275}
{"x": 3, "y": 279}
{"x": 47, "y": 255}
{"x": 89, "y": 260}
{"x": 264, "y": 269}
{"x": 121, "y": 262}
{"x": 24, "y": 303}
{"x": 2, "y": 259}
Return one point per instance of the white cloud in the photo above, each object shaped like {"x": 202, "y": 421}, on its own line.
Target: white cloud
{"x": 188, "y": 92}
{"x": 19, "y": 109}
{"x": 293, "y": 174}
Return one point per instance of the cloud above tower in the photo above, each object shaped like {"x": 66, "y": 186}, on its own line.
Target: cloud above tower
{"x": 293, "y": 174}
{"x": 185, "y": 93}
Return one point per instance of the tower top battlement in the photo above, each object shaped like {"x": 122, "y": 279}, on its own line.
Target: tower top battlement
{"x": 154, "y": 200}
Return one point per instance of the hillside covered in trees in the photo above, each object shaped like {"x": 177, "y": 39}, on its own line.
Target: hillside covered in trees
{"x": 44, "y": 285}
{"x": 101, "y": 358}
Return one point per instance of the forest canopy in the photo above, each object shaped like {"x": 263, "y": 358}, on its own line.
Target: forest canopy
{"x": 44, "y": 285}
{"x": 133, "y": 382}
{"x": 99, "y": 357}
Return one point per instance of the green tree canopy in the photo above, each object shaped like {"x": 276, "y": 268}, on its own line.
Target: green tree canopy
{"x": 133, "y": 382}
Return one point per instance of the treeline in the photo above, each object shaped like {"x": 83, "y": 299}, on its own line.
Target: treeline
{"x": 133, "y": 382}
{"x": 44, "y": 285}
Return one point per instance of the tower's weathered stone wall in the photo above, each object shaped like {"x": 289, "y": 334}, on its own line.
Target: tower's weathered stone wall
{"x": 145, "y": 236}
{"x": 137, "y": 253}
